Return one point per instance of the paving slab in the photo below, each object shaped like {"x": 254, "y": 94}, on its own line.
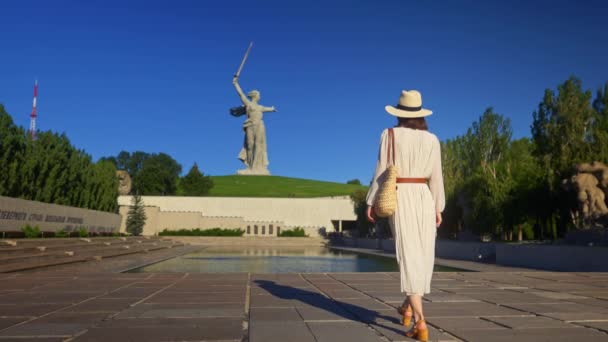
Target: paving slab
{"x": 343, "y": 331}
{"x": 62, "y": 324}
{"x": 33, "y": 339}
{"x": 447, "y": 297}
{"x": 200, "y": 329}
{"x": 201, "y": 298}
{"x": 464, "y": 323}
{"x": 394, "y": 331}
{"x": 532, "y": 335}
{"x": 534, "y": 322}
{"x": 369, "y": 316}
{"x": 326, "y": 313}
{"x": 557, "y": 295}
{"x": 103, "y": 305}
{"x": 590, "y": 301}
{"x": 368, "y": 303}
{"x": 6, "y": 322}
{"x": 34, "y": 297}
{"x": 174, "y": 310}
{"x": 271, "y": 302}
{"x": 460, "y": 309}
{"x": 274, "y": 315}
{"x": 603, "y": 326}
{"x": 32, "y": 329}
{"x": 349, "y": 294}
{"x": 28, "y": 310}
{"x": 280, "y": 332}
{"x": 578, "y": 316}
{"x": 386, "y": 296}
{"x": 508, "y": 296}
{"x": 565, "y": 311}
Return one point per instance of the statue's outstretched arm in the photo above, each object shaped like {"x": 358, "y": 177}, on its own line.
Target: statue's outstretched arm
{"x": 268, "y": 109}
{"x": 235, "y": 82}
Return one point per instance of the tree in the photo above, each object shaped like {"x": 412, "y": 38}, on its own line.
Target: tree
{"x": 600, "y": 124}
{"x": 136, "y": 217}
{"x": 51, "y": 170}
{"x": 354, "y": 181}
{"x": 151, "y": 174}
{"x": 358, "y": 198}
{"x": 562, "y": 129}
{"x": 566, "y": 131}
{"x": 195, "y": 183}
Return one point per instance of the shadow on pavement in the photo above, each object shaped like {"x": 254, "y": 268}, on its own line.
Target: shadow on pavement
{"x": 339, "y": 308}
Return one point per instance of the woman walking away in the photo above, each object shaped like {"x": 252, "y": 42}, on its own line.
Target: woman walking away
{"x": 420, "y": 201}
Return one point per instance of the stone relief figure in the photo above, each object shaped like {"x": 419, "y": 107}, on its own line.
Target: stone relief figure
{"x": 124, "y": 182}
{"x": 254, "y": 153}
{"x": 590, "y": 184}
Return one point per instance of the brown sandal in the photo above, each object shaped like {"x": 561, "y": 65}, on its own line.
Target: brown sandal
{"x": 406, "y": 314}
{"x": 417, "y": 333}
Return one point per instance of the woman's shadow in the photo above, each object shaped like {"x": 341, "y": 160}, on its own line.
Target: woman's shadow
{"x": 339, "y": 308}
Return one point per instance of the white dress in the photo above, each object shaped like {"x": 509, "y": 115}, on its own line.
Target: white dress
{"x": 418, "y": 155}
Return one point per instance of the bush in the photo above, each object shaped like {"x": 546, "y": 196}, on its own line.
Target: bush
{"x": 62, "y": 233}
{"x": 528, "y": 231}
{"x": 83, "y": 232}
{"x": 203, "y": 232}
{"x": 31, "y": 232}
{"x": 296, "y": 232}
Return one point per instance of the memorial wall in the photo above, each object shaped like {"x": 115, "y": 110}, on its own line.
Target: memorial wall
{"x": 16, "y": 213}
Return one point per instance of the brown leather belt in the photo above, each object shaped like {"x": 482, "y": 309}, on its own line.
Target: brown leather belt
{"x": 412, "y": 180}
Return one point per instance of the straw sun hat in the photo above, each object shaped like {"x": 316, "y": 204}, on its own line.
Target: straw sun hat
{"x": 410, "y": 106}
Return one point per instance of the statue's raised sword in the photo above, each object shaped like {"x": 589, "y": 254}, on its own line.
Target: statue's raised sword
{"x": 238, "y": 72}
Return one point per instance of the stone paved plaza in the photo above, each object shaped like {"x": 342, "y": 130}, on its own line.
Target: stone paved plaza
{"x": 93, "y": 302}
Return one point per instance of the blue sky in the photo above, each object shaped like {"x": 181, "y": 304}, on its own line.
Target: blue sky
{"x": 156, "y": 75}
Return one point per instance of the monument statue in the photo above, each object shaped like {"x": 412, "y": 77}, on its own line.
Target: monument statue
{"x": 590, "y": 184}
{"x": 124, "y": 182}
{"x": 253, "y": 154}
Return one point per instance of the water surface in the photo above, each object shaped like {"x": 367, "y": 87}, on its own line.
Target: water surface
{"x": 273, "y": 260}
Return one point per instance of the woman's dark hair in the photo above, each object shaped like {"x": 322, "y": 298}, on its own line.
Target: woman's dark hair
{"x": 413, "y": 123}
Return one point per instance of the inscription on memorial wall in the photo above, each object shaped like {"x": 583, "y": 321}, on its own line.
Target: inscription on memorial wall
{"x": 23, "y": 216}
{"x": 16, "y": 213}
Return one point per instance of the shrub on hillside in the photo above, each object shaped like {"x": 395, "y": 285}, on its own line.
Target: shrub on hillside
{"x": 203, "y": 232}
{"x": 296, "y": 232}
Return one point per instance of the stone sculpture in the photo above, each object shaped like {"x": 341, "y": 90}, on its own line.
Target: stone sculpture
{"x": 124, "y": 182}
{"x": 591, "y": 186}
{"x": 254, "y": 153}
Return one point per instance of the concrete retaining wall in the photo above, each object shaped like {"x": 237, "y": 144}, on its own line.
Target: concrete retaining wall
{"x": 16, "y": 213}
{"x": 158, "y": 220}
{"x": 249, "y": 241}
{"x": 311, "y": 214}
{"x": 554, "y": 257}
{"x": 565, "y": 258}
{"x": 472, "y": 251}
{"x": 388, "y": 245}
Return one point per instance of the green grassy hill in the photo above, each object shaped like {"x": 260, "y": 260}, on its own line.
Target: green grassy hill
{"x": 275, "y": 186}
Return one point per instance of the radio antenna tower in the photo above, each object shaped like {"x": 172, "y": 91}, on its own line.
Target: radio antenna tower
{"x": 34, "y": 113}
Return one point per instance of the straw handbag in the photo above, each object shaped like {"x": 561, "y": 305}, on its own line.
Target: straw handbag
{"x": 386, "y": 199}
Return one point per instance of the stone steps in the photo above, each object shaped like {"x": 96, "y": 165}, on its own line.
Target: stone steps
{"x": 25, "y": 243}
{"x": 76, "y": 249}
{"x": 6, "y": 253}
{"x": 79, "y": 252}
